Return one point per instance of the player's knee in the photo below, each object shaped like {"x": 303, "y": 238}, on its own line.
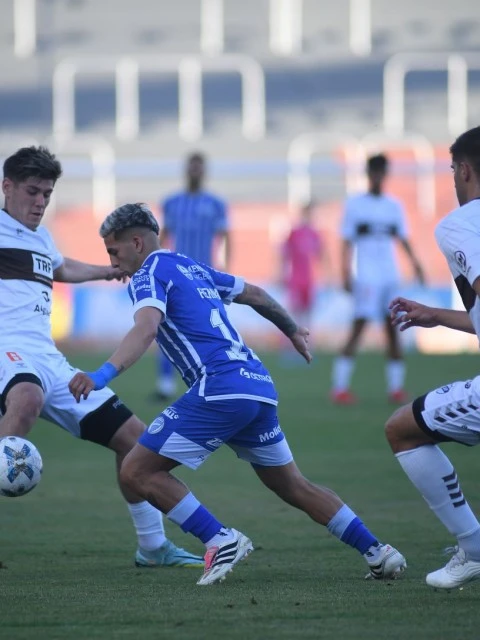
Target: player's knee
{"x": 24, "y": 403}
{"x": 130, "y": 474}
{"x": 394, "y": 429}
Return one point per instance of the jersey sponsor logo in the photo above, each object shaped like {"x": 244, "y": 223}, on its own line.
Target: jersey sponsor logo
{"x": 13, "y": 356}
{"x": 194, "y": 271}
{"x": 171, "y": 413}
{"x": 211, "y": 294}
{"x": 260, "y": 377}
{"x": 39, "y": 308}
{"x": 20, "y": 264}
{"x": 157, "y": 425}
{"x": 42, "y": 265}
{"x": 184, "y": 271}
{"x": 461, "y": 260}
{"x": 270, "y": 435}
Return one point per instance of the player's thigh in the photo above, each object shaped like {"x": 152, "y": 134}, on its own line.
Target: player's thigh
{"x": 262, "y": 442}
{"x": 366, "y": 300}
{"x": 21, "y": 385}
{"x": 451, "y": 413}
{"x": 191, "y": 429}
{"x": 97, "y": 419}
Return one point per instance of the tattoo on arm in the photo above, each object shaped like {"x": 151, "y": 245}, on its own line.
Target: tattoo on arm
{"x": 270, "y": 309}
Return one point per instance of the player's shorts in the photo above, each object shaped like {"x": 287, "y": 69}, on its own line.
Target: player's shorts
{"x": 371, "y": 299}
{"x": 191, "y": 429}
{"x": 96, "y": 419}
{"x": 451, "y": 413}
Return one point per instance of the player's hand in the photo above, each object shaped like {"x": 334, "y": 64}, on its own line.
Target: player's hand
{"x": 114, "y": 273}
{"x": 300, "y": 342}
{"x": 83, "y": 383}
{"x": 408, "y": 313}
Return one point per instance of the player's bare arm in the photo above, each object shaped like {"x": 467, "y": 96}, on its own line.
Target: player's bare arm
{"x": 419, "y": 273}
{"x": 408, "y": 313}
{"x": 269, "y": 308}
{"x": 75, "y": 271}
{"x": 131, "y": 349}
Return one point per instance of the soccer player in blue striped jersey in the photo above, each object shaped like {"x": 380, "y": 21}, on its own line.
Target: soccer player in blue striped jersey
{"x": 231, "y": 397}
{"x": 195, "y": 223}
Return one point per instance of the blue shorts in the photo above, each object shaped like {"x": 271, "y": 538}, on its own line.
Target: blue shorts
{"x": 192, "y": 428}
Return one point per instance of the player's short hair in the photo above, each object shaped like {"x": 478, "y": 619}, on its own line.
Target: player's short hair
{"x": 32, "y": 162}
{"x": 197, "y": 156}
{"x": 378, "y": 162}
{"x": 129, "y": 216}
{"x": 467, "y": 147}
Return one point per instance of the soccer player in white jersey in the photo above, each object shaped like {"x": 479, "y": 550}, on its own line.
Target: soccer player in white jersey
{"x": 371, "y": 224}
{"x": 231, "y": 398}
{"x": 33, "y": 373}
{"x": 452, "y": 412}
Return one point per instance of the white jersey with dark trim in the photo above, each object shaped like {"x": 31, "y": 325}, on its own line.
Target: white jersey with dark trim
{"x": 372, "y": 223}
{"x": 458, "y": 236}
{"x": 27, "y": 262}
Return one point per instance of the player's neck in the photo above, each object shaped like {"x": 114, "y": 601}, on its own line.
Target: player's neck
{"x": 375, "y": 191}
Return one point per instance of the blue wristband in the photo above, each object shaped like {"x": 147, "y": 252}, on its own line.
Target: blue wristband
{"x": 103, "y": 375}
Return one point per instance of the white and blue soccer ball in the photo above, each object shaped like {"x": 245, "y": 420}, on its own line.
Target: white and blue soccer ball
{"x": 20, "y": 466}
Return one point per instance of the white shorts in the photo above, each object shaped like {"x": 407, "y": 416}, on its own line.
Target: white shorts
{"x": 53, "y": 373}
{"x": 371, "y": 299}
{"x": 451, "y": 413}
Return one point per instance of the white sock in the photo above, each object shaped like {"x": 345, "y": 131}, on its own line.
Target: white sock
{"x": 395, "y": 375}
{"x": 434, "y": 476}
{"x": 223, "y": 536}
{"x": 148, "y": 523}
{"x": 342, "y": 373}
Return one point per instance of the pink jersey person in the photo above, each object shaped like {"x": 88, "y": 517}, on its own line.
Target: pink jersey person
{"x": 303, "y": 246}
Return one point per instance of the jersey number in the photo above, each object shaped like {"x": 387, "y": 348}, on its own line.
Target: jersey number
{"x": 237, "y": 351}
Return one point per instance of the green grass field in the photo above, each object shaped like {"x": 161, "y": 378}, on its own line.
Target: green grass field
{"x": 66, "y": 550}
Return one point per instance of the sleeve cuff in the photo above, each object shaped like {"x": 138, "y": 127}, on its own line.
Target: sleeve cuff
{"x": 238, "y": 287}
{"x": 150, "y": 302}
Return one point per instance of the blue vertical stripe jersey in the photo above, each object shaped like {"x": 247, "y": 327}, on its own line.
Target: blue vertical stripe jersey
{"x": 194, "y": 219}
{"x": 196, "y": 334}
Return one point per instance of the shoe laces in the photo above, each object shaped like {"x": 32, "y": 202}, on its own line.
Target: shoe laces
{"x": 458, "y": 558}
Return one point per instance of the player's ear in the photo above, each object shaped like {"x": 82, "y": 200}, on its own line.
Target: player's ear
{"x": 466, "y": 171}
{"x": 6, "y": 186}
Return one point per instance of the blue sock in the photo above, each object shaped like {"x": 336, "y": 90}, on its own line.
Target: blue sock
{"x": 193, "y": 518}
{"x": 347, "y": 527}
{"x": 164, "y": 366}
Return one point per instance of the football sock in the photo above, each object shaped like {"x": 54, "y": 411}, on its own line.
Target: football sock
{"x": 148, "y": 523}
{"x": 433, "y": 475}
{"x": 395, "y": 375}
{"x": 347, "y": 527}
{"x": 223, "y": 536}
{"x": 193, "y": 518}
{"x": 342, "y": 373}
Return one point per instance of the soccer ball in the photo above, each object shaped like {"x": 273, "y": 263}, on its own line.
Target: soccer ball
{"x": 20, "y": 466}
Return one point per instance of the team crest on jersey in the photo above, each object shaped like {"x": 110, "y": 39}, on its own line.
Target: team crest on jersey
{"x": 461, "y": 260}
{"x": 157, "y": 425}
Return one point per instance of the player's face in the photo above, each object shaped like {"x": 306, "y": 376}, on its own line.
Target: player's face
{"x": 459, "y": 170}
{"x": 124, "y": 254}
{"x": 376, "y": 179}
{"x": 26, "y": 201}
{"x": 196, "y": 171}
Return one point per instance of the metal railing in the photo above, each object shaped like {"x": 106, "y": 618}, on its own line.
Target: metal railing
{"x": 303, "y": 148}
{"x": 189, "y": 69}
{"x": 457, "y": 66}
